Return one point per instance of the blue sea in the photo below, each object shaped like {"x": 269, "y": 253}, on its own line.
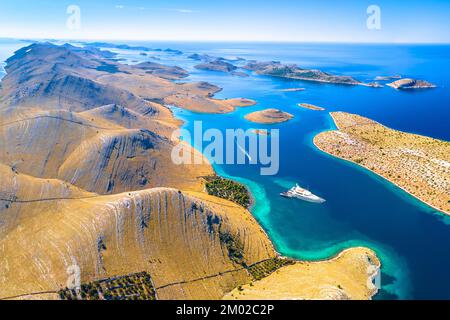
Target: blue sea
{"x": 362, "y": 209}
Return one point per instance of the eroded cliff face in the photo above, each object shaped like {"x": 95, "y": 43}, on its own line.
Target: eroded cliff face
{"x": 176, "y": 237}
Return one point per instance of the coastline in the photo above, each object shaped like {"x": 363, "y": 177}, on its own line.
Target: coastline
{"x": 348, "y": 275}
{"x": 374, "y": 172}
{"x": 332, "y": 258}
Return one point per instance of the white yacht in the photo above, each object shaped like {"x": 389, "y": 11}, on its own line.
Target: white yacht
{"x": 302, "y": 194}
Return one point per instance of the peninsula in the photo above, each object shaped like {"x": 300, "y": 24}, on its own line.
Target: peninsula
{"x": 202, "y": 104}
{"x": 303, "y": 281}
{"x": 417, "y": 164}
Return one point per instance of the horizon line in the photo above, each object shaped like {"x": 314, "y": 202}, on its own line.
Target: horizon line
{"x": 224, "y": 41}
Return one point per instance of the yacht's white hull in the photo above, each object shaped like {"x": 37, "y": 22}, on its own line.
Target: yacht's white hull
{"x": 312, "y": 198}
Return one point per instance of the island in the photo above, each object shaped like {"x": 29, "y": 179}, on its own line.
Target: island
{"x": 173, "y": 51}
{"x": 115, "y": 46}
{"x": 292, "y": 89}
{"x": 217, "y": 65}
{"x": 374, "y": 84}
{"x": 269, "y": 116}
{"x": 387, "y": 78}
{"x": 419, "y": 165}
{"x": 200, "y": 57}
{"x": 292, "y": 71}
{"x": 207, "y": 58}
{"x": 310, "y": 107}
{"x": 411, "y": 84}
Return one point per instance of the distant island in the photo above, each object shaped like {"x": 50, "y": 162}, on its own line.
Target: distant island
{"x": 419, "y": 165}
{"x": 411, "y": 84}
{"x": 292, "y": 89}
{"x": 208, "y": 58}
{"x": 311, "y": 107}
{"x": 217, "y": 65}
{"x": 269, "y": 116}
{"x": 277, "y": 69}
{"x": 108, "y": 45}
{"x": 387, "y": 78}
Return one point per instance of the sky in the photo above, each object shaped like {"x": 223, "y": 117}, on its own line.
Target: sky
{"x": 388, "y": 21}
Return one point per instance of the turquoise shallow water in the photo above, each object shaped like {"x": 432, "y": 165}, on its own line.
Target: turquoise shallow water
{"x": 362, "y": 209}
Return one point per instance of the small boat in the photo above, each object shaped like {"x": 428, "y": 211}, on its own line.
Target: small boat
{"x": 302, "y": 194}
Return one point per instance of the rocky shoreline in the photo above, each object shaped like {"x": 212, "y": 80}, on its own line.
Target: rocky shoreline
{"x": 419, "y": 165}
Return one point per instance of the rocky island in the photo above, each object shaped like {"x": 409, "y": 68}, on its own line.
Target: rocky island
{"x": 219, "y": 65}
{"x": 417, "y": 164}
{"x": 216, "y": 65}
{"x": 411, "y": 84}
{"x": 387, "y": 78}
{"x": 277, "y": 69}
{"x": 293, "y": 90}
{"x": 310, "y": 107}
{"x": 269, "y": 116}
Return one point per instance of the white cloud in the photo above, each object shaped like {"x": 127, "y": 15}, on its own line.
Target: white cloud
{"x": 184, "y": 10}
{"x": 179, "y": 10}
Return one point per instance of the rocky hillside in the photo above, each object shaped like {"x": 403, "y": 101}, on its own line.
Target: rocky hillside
{"x": 87, "y": 181}
{"x": 178, "y": 238}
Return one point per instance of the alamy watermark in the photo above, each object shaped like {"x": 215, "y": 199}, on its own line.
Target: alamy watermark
{"x": 73, "y": 22}
{"x": 235, "y": 146}
{"x": 374, "y": 17}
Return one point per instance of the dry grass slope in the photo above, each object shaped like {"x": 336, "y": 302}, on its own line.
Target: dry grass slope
{"x": 420, "y": 165}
